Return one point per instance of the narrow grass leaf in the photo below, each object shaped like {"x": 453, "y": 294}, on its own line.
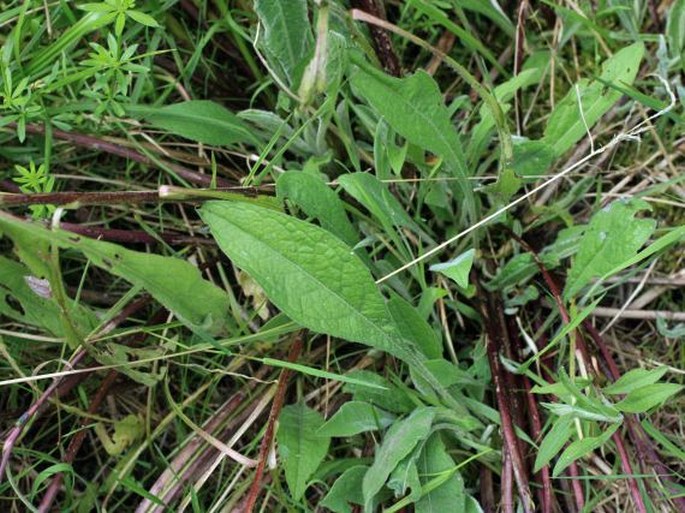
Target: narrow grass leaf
{"x": 300, "y": 447}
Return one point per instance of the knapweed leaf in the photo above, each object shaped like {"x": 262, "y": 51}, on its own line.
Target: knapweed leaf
{"x": 399, "y": 442}
{"x": 300, "y": 446}
{"x": 346, "y": 490}
{"x": 308, "y": 273}
{"x": 567, "y": 125}
{"x": 198, "y": 120}
{"x": 613, "y": 236}
{"x": 554, "y": 440}
{"x": 175, "y": 283}
{"x": 435, "y": 463}
{"x": 317, "y": 200}
{"x": 458, "y": 268}
{"x": 286, "y": 37}
{"x": 356, "y": 417}
{"x": 414, "y": 108}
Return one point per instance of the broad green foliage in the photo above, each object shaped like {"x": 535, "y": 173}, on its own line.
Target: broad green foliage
{"x": 300, "y": 445}
{"x": 647, "y": 397}
{"x": 413, "y": 107}
{"x": 309, "y": 274}
{"x": 26, "y": 298}
{"x": 356, "y": 417}
{"x": 198, "y": 120}
{"x": 635, "y": 379}
{"x": 458, "y": 268}
{"x": 400, "y": 440}
{"x": 413, "y": 327}
{"x": 568, "y": 124}
{"x": 176, "y": 284}
{"x": 554, "y": 440}
{"x": 126, "y": 432}
{"x": 436, "y": 467}
{"x": 346, "y": 490}
{"x": 317, "y": 200}
{"x": 286, "y": 37}
{"x": 613, "y": 236}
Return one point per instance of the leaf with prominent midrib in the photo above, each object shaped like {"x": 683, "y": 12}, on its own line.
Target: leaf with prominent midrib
{"x": 173, "y": 282}
{"x": 308, "y": 273}
{"x": 300, "y": 445}
{"x": 198, "y": 120}
{"x": 413, "y": 107}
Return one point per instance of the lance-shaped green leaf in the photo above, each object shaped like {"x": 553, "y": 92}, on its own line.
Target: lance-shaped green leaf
{"x": 647, "y": 397}
{"x": 317, "y": 200}
{"x": 286, "y": 37}
{"x": 413, "y": 107}
{"x": 198, "y": 120}
{"x": 580, "y": 448}
{"x": 399, "y": 442}
{"x": 567, "y": 125}
{"x": 173, "y": 282}
{"x": 301, "y": 447}
{"x": 308, "y": 273}
{"x": 613, "y": 236}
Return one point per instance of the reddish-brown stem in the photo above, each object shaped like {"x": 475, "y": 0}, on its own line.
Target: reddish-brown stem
{"x": 381, "y": 39}
{"x": 133, "y": 236}
{"x": 267, "y": 441}
{"x": 545, "y": 493}
{"x": 95, "y": 143}
{"x": 507, "y": 484}
{"x": 76, "y": 442}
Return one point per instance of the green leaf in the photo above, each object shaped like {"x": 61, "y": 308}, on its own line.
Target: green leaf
{"x": 566, "y": 126}
{"x": 635, "y": 379}
{"x": 554, "y": 440}
{"x": 580, "y": 448}
{"x": 647, "y": 397}
{"x": 311, "y": 275}
{"x": 457, "y": 269}
{"x": 613, "y": 236}
{"x": 300, "y": 447}
{"x": 383, "y": 393}
{"x": 450, "y": 494}
{"x": 142, "y": 18}
{"x": 346, "y": 489}
{"x": 399, "y": 442}
{"x": 414, "y": 327}
{"x": 317, "y": 200}
{"x": 675, "y": 30}
{"x": 173, "y": 282}
{"x": 413, "y": 107}
{"x": 375, "y": 196}
{"x": 25, "y": 303}
{"x": 287, "y": 36}
{"x": 198, "y": 120}
{"x": 356, "y": 417}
